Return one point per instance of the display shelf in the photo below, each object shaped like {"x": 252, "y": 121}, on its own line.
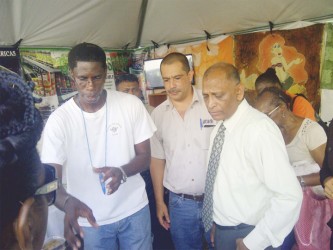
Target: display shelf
{"x": 42, "y": 66}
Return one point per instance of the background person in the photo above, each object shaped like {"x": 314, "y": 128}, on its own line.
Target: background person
{"x": 129, "y": 83}
{"x": 179, "y": 149}
{"x": 301, "y": 106}
{"x": 305, "y": 140}
{"x": 255, "y": 195}
{"x": 326, "y": 173}
{"x": 95, "y": 136}
{"x": 26, "y": 186}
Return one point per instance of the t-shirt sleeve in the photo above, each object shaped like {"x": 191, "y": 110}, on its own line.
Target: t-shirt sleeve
{"x": 315, "y": 136}
{"x": 53, "y": 148}
{"x": 143, "y": 125}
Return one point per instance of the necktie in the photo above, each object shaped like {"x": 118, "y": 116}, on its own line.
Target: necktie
{"x": 214, "y": 160}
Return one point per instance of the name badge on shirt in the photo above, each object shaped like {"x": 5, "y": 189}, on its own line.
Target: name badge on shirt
{"x": 207, "y": 123}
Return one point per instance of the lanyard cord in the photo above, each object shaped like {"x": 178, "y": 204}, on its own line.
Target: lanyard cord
{"x": 85, "y": 130}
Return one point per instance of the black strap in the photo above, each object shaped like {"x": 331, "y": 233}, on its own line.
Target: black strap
{"x": 293, "y": 100}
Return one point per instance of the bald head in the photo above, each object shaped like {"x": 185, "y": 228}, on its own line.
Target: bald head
{"x": 222, "y": 90}
{"x": 227, "y": 70}
{"x": 176, "y": 57}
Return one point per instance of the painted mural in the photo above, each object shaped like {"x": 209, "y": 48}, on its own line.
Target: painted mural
{"x": 287, "y": 62}
{"x": 294, "y": 54}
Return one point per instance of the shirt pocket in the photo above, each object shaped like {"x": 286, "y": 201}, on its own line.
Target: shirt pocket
{"x": 204, "y": 136}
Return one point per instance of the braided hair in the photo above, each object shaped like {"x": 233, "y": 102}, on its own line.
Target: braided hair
{"x": 278, "y": 96}
{"x": 269, "y": 76}
{"x": 20, "y": 129}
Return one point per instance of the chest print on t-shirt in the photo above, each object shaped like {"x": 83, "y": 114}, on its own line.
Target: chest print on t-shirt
{"x": 115, "y": 128}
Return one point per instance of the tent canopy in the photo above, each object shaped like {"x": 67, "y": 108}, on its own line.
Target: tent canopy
{"x": 117, "y": 23}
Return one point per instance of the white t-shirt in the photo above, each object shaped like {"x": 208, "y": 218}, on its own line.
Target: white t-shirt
{"x": 65, "y": 143}
{"x": 309, "y": 136}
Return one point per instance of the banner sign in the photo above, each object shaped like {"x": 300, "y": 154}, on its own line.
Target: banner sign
{"x": 10, "y": 59}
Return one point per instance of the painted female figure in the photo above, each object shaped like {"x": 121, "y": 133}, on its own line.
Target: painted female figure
{"x": 287, "y": 62}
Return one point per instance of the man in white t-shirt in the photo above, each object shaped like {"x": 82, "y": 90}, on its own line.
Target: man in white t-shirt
{"x": 100, "y": 139}
{"x": 129, "y": 83}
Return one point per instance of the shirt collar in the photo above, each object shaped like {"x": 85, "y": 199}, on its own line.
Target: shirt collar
{"x": 195, "y": 98}
{"x": 231, "y": 122}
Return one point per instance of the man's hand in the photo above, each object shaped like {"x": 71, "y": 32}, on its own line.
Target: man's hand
{"x": 75, "y": 209}
{"x": 240, "y": 245}
{"x": 163, "y": 215}
{"x": 328, "y": 184}
{"x": 111, "y": 172}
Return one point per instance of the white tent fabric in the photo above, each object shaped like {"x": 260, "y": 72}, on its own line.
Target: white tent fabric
{"x": 116, "y": 23}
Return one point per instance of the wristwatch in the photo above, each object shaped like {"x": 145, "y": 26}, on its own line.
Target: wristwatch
{"x": 124, "y": 179}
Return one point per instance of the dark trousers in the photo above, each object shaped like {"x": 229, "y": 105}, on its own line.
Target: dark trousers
{"x": 225, "y": 237}
{"x": 161, "y": 237}
{"x": 289, "y": 241}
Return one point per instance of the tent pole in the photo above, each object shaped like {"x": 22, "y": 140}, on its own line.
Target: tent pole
{"x": 141, "y": 21}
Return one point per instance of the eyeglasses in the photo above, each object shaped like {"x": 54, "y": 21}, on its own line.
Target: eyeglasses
{"x": 49, "y": 189}
{"x": 271, "y": 112}
{"x": 83, "y": 81}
